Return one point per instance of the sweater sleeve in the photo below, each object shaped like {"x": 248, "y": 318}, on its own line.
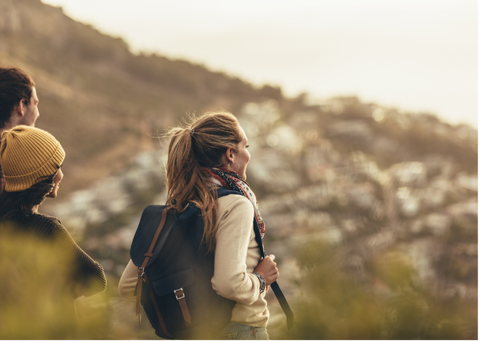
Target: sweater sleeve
{"x": 233, "y": 238}
{"x": 128, "y": 281}
{"x": 88, "y": 275}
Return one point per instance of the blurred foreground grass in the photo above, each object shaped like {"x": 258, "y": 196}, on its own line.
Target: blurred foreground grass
{"x": 389, "y": 303}
{"x": 34, "y": 301}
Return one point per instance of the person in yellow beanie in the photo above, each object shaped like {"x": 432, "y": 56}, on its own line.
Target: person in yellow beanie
{"x": 31, "y": 159}
{"x": 30, "y": 156}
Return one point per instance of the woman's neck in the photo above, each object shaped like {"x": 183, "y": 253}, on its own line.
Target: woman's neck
{"x": 35, "y": 209}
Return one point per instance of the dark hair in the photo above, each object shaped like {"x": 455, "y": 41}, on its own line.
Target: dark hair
{"x": 20, "y": 204}
{"x": 200, "y": 144}
{"x": 15, "y": 85}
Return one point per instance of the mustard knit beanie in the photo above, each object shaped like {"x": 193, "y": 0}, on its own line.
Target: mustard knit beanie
{"x": 26, "y": 155}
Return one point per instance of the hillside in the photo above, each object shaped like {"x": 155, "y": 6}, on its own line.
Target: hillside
{"x": 371, "y": 212}
{"x": 100, "y": 100}
{"x": 362, "y": 204}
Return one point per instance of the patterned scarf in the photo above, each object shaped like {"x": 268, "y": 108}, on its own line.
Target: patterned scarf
{"x": 231, "y": 180}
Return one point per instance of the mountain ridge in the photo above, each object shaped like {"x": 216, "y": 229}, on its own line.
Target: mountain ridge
{"x": 95, "y": 94}
{"x": 104, "y": 103}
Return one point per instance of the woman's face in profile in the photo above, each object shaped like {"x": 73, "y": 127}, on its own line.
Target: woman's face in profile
{"x": 242, "y": 157}
{"x": 56, "y": 181}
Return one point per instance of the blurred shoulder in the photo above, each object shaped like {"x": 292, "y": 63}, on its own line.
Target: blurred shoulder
{"x": 50, "y": 226}
{"x": 46, "y": 220}
{"x": 38, "y": 225}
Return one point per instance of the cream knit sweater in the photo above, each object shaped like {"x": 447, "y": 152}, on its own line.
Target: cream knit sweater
{"x": 236, "y": 255}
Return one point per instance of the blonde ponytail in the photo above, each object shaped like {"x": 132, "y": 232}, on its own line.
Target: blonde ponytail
{"x": 200, "y": 144}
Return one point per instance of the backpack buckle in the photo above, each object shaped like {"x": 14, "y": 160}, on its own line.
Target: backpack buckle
{"x": 179, "y": 294}
{"x": 141, "y": 272}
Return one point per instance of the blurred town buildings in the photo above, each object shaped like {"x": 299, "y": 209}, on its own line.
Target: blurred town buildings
{"x": 311, "y": 187}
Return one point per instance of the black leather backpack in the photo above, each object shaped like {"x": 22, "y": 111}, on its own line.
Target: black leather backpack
{"x": 175, "y": 272}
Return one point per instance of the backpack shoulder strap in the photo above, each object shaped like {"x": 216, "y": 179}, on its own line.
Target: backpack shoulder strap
{"x": 275, "y": 287}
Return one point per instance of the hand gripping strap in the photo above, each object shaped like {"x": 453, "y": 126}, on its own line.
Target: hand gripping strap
{"x": 275, "y": 287}
{"x": 141, "y": 274}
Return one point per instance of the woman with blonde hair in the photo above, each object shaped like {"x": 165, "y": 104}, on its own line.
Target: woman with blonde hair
{"x": 210, "y": 153}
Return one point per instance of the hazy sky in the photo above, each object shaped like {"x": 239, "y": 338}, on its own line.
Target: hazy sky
{"x": 416, "y": 55}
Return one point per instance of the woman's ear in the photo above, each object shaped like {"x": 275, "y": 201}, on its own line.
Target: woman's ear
{"x": 229, "y": 155}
